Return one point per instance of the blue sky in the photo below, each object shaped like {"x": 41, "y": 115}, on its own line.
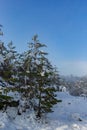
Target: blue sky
{"x": 60, "y": 24}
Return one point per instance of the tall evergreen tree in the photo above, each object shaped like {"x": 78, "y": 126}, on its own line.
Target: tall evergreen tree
{"x": 41, "y": 77}
{"x": 8, "y": 72}
{"x": 4, "y": 99}
{"x": 2, "y": 54}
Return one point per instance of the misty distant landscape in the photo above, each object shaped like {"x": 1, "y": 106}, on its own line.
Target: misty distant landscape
{"x": 74, "y": 84}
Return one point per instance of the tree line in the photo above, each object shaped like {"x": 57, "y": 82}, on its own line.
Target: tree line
{"x": 30, "y": 75}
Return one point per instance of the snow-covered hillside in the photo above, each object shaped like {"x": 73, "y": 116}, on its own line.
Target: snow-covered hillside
{"x": 70, "y": 114}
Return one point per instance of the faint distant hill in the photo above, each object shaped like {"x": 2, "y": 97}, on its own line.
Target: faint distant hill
{"x": 74, "y": 84}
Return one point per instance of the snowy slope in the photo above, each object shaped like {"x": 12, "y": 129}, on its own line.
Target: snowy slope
{"x": 71, "y": 114}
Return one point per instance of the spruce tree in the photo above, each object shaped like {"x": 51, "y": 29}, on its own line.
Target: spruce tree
{"x": 6, "y": 74}
{"x": 41, "y": 79}
{"x": 3, "y": 97}
{"x": 2, "y": 54}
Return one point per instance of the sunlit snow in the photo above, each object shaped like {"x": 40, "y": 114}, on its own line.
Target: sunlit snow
{"x": 71, "y": 114}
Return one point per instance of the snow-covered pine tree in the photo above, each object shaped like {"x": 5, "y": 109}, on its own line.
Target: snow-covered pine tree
{"x": 9, "y": 65}
{"x": 40, "y": 78}
{"x": 6, "y": 69}
{"x": 2, "y": 54}
{"x": 3, "y": 98}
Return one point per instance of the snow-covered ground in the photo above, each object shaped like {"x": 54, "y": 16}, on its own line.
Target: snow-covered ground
{"x": 70, "y": 114}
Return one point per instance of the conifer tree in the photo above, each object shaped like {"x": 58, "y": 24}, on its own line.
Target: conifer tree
{"x": 41, "y": 77}
{"x": 9, "y": 63}
{"x": 6, "y": 69}
{"x": 2, "y": 54}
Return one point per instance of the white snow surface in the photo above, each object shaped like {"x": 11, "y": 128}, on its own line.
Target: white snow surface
{"x": 70, "y": 114}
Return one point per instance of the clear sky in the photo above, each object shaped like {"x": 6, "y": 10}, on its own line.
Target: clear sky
{"x": 60, "y": 24}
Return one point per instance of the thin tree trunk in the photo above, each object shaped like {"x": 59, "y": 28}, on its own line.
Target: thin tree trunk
{"x": 39, "y": 107}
